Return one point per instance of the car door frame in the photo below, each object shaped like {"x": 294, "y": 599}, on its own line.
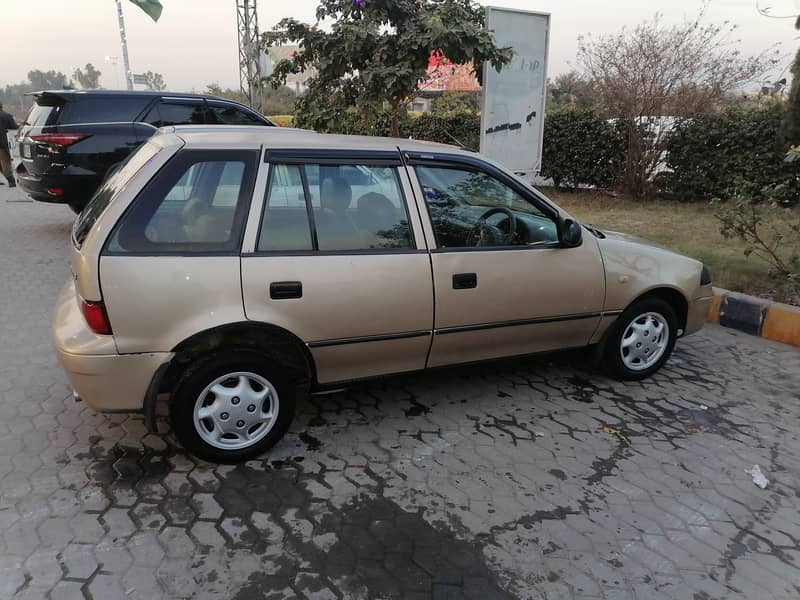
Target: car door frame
{"x": 337, "y": 359}
{"x": 493, "y": 331}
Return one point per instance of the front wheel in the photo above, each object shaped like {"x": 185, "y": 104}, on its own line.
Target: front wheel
{"x": 232, "y": 406}
{"x": 641, "y": 340}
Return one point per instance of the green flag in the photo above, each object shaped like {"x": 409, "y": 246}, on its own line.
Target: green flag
{"x": 153, "y": 8}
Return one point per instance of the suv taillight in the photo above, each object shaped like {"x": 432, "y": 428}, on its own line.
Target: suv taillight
{"x": 58, "y": 139}
{"x": 96, "y": 317}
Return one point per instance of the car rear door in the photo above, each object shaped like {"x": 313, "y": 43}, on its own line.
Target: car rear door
{"x": 335, "y": 254}
{"x": 500, "y": 293}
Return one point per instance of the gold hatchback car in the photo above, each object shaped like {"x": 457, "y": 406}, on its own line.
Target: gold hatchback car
{"x": 235, "y": 269}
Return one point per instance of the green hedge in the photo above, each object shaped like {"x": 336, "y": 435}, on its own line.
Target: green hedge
{"x": 733, "y": 153}
{"x": 459, "y": 128}
{"x": 454, "y": 128}
{"x": 581, "y": 149}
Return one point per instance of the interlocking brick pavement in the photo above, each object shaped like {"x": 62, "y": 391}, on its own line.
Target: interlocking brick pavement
{"x": 491, "y": 482}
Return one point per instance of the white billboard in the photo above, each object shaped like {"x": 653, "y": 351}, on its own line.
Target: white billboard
{"x": 512, "y": 119}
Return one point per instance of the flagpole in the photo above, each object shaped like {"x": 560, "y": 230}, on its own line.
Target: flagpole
{"x": 123, "y": 38}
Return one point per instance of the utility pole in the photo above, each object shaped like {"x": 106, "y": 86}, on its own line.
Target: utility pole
{"x": 124, "y": 39}
{"x": 249, "y": 64}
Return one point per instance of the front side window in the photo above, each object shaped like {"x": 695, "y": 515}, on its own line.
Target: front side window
{"x": 471, "y": 209}
{"x": 334, "y": 208}
{"x": 197, "y": 204}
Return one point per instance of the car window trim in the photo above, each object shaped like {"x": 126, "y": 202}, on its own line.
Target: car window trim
{"x": 327, "y": 157}
{"x": 300, "y": 158}
{"x": 312, "y": 222}
{"x": 245, "y": 195}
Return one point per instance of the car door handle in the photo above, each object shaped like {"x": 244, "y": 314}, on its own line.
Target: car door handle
{"x": 285, "y": 290}
{"x": 465, "y": 281}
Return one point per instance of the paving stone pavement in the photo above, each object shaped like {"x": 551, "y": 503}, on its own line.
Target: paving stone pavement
{"x": 490, "y": 482}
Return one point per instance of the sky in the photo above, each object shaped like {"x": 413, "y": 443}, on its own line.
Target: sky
{"x": 195, "y": 41}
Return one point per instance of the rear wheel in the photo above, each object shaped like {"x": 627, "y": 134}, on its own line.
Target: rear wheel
{"x": 641, "y": 340}
{"x": 232, "y": 406}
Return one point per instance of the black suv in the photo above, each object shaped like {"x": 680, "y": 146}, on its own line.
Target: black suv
{"x": 71, "y": 139}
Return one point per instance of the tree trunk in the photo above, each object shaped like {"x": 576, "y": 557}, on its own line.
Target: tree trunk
{"x": 397, "y": 112}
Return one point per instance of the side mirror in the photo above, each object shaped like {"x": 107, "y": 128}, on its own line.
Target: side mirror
{"x": 570, "y": 233}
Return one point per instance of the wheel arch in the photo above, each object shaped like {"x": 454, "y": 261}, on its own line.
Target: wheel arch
{"x": 672, "y": 296}
{"x": 278, "y": 343}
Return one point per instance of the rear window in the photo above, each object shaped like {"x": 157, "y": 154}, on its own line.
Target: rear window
{"x": 114, "y": 109}
{"x": 97, "y": 205}
{"x": 38, "y": 115}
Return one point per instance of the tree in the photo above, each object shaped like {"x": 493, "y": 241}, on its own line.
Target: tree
{"x": 48, "y": 80}
{"x": 571, "y": 90}
{"x": 88, "y": 78}
{"x": 155, "y": 81}
{"x": 377, "y": 52}
{"x": 270, "y": 101}
{"x": 656, "y": 71}
{"x": 791, "y": 126}
{"x": 448, "y": 103}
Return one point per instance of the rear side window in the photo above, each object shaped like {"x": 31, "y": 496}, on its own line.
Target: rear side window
{"x": 232, "y": 115}
{"x": 196, "y": 204}
{"x": 108, "y": 190}
{"x": 334, "y": 208}
{"x": 166, "y": 114}
{"x": 114, "y": 109}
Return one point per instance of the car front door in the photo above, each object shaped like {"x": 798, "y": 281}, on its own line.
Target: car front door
{"x": 336, "y": 257}
{"x": 504, "y": 284}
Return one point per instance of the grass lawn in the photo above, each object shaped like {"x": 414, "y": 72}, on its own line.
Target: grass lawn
{"x": 689, "y": 228}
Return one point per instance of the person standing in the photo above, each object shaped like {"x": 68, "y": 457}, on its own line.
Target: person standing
{"x": 7, "y": 124}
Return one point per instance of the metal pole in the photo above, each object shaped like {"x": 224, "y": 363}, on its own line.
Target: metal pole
{"x": 123, "y": 38}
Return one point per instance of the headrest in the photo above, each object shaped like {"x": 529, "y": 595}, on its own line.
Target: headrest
{"x": 336, "y": 194}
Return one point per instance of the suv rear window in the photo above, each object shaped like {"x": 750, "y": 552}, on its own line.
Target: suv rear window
{"x": 38, "y": 115}
{"x": 114, "y": 109}
{"x": 108, "y": 190}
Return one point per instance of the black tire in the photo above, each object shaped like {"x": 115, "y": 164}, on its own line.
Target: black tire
{"x": 203, "y": 372}
{"x": 612, "y": 359}
{"x": 76, "y": 208}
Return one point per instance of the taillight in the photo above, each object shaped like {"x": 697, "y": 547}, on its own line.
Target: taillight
{"x": 96, "y": 317}
{"x": 59, "y": 139}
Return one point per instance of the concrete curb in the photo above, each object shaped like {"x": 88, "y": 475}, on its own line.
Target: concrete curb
{"x": 770, "y": 320}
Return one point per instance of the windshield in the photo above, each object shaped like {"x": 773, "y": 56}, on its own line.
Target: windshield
{"x": 113, "y": 184}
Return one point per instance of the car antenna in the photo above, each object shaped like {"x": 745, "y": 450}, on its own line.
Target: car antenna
{"x": 456, "y": 140}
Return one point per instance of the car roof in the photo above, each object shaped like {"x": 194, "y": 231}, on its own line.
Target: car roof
{"x": 220, "y": 136}
{"x": 78, "y": 94}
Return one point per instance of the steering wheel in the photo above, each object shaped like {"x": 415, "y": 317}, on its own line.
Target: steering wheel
{"x": 486, "y": 234}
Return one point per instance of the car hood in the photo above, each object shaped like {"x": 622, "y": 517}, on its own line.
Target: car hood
{"x": 633, "y": 239}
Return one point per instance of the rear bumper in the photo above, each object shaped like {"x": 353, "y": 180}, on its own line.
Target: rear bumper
{"x": 76, "y": 189}
{"x": 107, "y": 381}
{"x": 112, "y": 383}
